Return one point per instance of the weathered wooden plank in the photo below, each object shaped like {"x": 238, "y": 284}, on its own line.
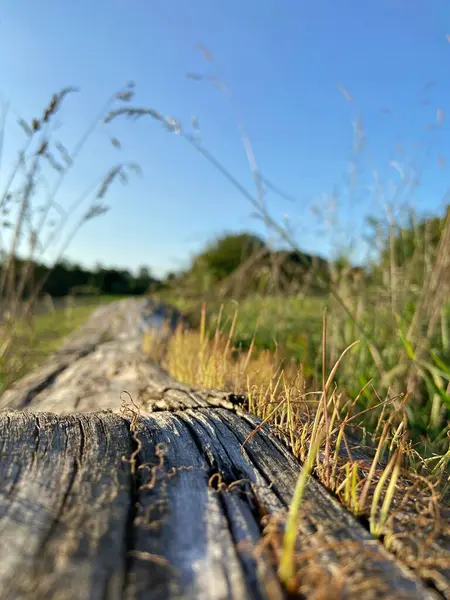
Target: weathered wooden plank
{"x": 182, "y": 519}
{"x": 191, "y": 524}
{"x": 64, "y": 505}
{"x": 91, "y": 370}
{"x": 77, "y": 521}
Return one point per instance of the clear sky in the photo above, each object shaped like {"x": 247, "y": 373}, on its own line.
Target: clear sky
{"x": 283, "y": 61}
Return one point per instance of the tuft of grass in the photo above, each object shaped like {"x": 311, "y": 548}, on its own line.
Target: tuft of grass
{"x": 320, "y": 426}
{"x": 286, "y": 568}
{"x": 209, "y": 358}
{"x": 289, "y": 327}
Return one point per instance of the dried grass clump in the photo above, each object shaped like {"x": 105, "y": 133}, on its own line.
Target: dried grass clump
{"x": 322, "y": 429}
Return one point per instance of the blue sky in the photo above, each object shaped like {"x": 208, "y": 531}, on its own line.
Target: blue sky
{"x": 283, "y": 61}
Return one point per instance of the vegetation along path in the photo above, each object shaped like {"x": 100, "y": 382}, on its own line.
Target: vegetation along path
{"x": 118, "y": 482}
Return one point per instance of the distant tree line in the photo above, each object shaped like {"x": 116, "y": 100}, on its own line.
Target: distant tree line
{"x": 67, "y": 278}
{"x": 237, "y": 264}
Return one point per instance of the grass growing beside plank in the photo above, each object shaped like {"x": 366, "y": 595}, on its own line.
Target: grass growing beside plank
{"x": 290, "y": 328}
{"x": 36, "y": 341}
{"x": 289, "y": 325}
{"x": 319, "y": 426}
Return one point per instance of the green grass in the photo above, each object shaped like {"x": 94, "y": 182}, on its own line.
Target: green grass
{"x": 291, "y": 325}
{"x": 47, "y": 333}
{"x": 291, "y": 328}
{"x": 277, "y": 320}
{"x": 51, "y": 329}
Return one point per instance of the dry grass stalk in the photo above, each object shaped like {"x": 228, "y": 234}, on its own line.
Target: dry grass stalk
{"x": 28, "y": 223}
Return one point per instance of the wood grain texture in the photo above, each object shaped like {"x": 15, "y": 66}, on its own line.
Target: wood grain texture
{"x": 79, "y": 521}
{"x": 103, "y": 498}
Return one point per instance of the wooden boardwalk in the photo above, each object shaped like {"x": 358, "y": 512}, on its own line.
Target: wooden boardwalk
{"x": 149, "y": 493}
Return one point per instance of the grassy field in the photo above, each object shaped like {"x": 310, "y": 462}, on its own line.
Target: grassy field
{"x": 48, "y": 330}
{"x": 291, "y": 325}
{"x": 285, "y": 334}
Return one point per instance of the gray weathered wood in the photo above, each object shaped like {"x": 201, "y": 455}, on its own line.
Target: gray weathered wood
{"x": 102, "y": 497}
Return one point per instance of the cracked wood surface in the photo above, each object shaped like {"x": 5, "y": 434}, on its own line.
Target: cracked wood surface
{"x": 100, "y": 499}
